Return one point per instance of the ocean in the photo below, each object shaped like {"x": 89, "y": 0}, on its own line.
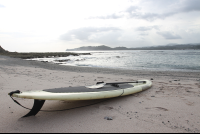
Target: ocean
{"x": 160, "y": 60}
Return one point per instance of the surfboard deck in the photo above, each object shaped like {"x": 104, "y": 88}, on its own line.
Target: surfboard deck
{"x": 104, "y": 91}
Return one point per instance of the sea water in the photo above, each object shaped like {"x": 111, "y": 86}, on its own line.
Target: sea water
{"x": 162, "y": 60}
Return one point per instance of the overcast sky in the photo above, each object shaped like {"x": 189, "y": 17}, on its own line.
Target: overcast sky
{"x": 57, "y": 25}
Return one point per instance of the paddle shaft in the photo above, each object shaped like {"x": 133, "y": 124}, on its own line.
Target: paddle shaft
{"x": 121, "y": 82}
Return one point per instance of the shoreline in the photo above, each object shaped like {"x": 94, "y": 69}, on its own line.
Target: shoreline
{"x": 52, "y": 66}
{"x": 145, "y": 65}
{"x": 170, "y": 105}
{"x": 123, "y": 69}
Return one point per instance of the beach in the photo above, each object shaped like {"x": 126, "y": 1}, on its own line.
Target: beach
{"x": 170, "y": 105}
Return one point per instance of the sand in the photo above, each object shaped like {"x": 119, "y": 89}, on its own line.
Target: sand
{"x": 170, "y": 105}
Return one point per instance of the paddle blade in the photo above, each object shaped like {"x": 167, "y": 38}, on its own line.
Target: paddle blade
{"x": 97, "y": 86}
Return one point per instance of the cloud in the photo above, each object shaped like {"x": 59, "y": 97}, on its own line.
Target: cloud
{"x": 88, "y": 33}
{"x": 132, "y": 12}
{"x": 132, "y": 9}
{"x": 143, "y": 28}
{"x": 151, "y": 16}
{"x": 2, "y": 6}
{"x": 144, "y": 31}
{"x": 169, "y": 8}
{"x": 118, "y": 15}
{"x": 168, "y": 35}
{"x": 110, "y": 36}
{"x": 143, "y": 34}
{"x": 175, "y": 7}
{"x": 146, "y": 28}
{"x": 112, "y": 16}
{"x": 190, "y": 5}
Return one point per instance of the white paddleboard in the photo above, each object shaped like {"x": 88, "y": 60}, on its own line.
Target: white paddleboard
{"x": 99, "y": 91}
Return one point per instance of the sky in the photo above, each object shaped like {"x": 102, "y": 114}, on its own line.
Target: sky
{"x": 57, "y": 25}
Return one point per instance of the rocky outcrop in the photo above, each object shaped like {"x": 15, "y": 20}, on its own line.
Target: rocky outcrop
{"x": 2, "y": 50}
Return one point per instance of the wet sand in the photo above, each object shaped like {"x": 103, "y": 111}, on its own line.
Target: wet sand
{"x": 170, "y": 105}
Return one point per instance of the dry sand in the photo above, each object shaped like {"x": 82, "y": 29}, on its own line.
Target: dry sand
{"x": 170, "y": 105}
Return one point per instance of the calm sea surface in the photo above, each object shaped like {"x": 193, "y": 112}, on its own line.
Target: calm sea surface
{"x": 163, "y": 60}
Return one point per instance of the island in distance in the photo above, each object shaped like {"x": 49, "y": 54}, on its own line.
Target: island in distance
{"x": 165, "y": 47}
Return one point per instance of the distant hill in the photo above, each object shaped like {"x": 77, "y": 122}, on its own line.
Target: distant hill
{"x": 171, "y": 47}
{"x": 92, "y": 48}
{"x": 166, "y": 47}
{"x": 2, "y": 50}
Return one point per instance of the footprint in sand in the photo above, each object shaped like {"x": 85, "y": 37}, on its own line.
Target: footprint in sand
{"x": 161, "y": 108}
{"x": 158, "y": 92}
{"x": 158, "y": 108}
{"x": 106, "y": 107}
{"x": 187, "y": 102}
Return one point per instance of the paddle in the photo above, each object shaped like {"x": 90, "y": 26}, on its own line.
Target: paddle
{"x": 115, "y": 84}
